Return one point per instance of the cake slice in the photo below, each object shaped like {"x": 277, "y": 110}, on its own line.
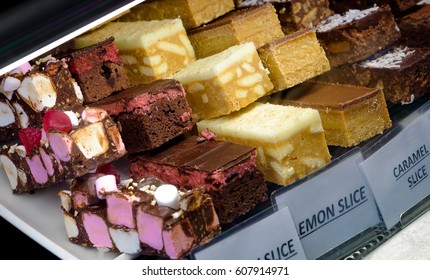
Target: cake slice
{"x": 150, "y": 50}
{"x": 193, "y": 13}
{"x": 290, "y": 141}
{"x": 402, "y": 73}
{"x": 98, "y": 69}
{"x": 293, "y": 59}
{"x": 149, "y": 114}
{"x": 349, "y": 114}
{"x": 226, "y": 171}
{"x": 357, "y": 34}
{"x": 259, "y": 25}
{"x": 145, "y": 217}
{"x": 398, "y": 6}
{"x": 225, "y": 82}
{"x": 413, "y": 25}
{"x": 294, "y": 14}
{"x": 45, "y": 157}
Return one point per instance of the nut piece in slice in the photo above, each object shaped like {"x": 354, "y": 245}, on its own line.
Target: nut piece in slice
{"x": 290, "y": 141}
{"x": 149, "y": 50}
{"x": 192, "y": 12}
{"x": 259, "y": 25}
{"x": 294, "y": 59}
{"x": 224, "y": 82}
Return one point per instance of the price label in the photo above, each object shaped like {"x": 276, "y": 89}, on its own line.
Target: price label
{"x": 398, "y": 172}
{"x": 331, "y": 207}
{"x": 272, "y": 237}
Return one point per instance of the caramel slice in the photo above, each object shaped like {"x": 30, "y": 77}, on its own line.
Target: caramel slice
{"x": 349, "y": 114}
{"x": 225, "y": 82}
{"x": 290, "y": 140}
{"x": 294, "y": 58}
{"x": 192, "y": 12}
{"x": 149, "y": 50}
{"x": 401, "y": 72}
{"x": 259, "y": 25}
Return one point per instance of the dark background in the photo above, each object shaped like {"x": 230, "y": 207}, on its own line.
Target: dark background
{"x": 26, "y": 26}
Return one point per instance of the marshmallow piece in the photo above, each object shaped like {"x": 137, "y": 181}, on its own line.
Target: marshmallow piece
{"x": 126, "y": 240}
{"x": 66, "y": 199}
{"x": 11, "y": 171}
{"x": 167, "y": 195}
{"x": 23, "y": 118}
{"x": 24, "y": 68}
{"x": 38, "y": 92}
{"x": 93, "y": 115}
{"x": 72, "y": 228}
{"x": 10, "y": 84}
{"x": 105, "y": 184}
{"x": 7, "y": 116}
{"x": 73, "y": 118}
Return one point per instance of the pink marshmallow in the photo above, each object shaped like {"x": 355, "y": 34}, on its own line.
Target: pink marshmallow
{"x": 97, "y": 230}
{"x": 105, "y": 184}
{"x": 37, "y": 169}
{"x": 176, "y": 241}
{"x": 120, "y": 210}
{"x": 150, "y": 228}
{"x": 24, "y": 68}
{"x": 61, "y": 144}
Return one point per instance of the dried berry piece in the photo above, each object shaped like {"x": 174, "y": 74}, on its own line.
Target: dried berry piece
{"x": 30, "y": 138}
{"x": 56, "y": 119}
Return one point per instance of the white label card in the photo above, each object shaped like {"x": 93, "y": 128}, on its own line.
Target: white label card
{"x": 332, "y": 207}
{"x": 399, "y": 171}
{"x": 270, "y": 238}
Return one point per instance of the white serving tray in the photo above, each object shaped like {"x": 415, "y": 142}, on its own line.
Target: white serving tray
{"x": 39, "y": 216}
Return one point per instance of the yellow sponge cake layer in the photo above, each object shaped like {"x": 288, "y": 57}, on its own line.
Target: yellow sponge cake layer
{"x": 225, "y": 82}
{"x": 294, "y": 59}
{"x": 259, "y": 25}
{"x": 149, "y": 50}
{"x": 290, "y": 140}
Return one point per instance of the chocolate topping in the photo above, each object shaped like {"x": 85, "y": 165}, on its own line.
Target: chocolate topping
{"x": 326, "y": 95}
{"x": 207, "y": 156}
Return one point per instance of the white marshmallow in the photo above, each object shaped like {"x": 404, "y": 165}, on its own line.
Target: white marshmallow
{"x": 73, "y": 118}
{"x": 105, "y": 184}
{"x": 10, "y": 84}
{"x": 7, "y": 115}
{"x": 11, "y": 171}
{"x": 167, "y": 195}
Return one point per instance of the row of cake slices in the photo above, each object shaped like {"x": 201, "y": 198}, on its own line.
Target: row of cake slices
{"x": 287, "y": 142}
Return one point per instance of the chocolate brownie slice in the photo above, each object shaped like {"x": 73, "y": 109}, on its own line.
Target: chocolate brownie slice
{"x": 227, "y": 171}
{"x": 98, "y": 70}
{"x": 150, "y": 114}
